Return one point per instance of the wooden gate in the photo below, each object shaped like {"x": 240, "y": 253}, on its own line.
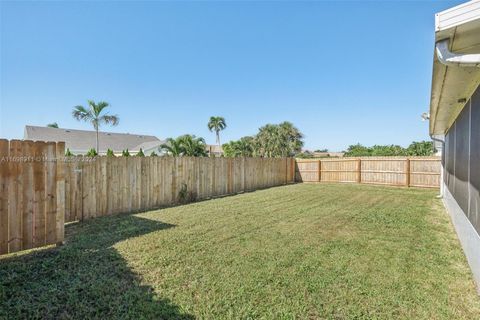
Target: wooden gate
{"x": 32, "y": 194}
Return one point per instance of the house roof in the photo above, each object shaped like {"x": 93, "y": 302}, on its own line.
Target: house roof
{"x": 149, "y": 145}
{"x": 83, "y": 140}
{"x": 452, "y": 86}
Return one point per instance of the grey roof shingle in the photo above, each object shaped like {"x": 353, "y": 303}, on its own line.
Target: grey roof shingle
{"x": 83, "y": 140}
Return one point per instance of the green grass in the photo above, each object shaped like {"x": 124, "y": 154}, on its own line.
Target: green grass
{"x": 295, "y": 252}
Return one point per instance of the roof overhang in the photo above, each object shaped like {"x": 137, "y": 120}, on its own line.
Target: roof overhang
{"x": 452, "y": 86}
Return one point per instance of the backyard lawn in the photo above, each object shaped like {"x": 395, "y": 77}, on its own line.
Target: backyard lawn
{"x": 301, "y": 251}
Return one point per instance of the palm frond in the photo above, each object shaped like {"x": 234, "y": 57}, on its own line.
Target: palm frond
{"x": 216, "y": 124}
{"x": 102, "y": 105}
{"x": 110, "y": 119}
{"x": 92, "y": 105}
{"x": 80, "y": 113}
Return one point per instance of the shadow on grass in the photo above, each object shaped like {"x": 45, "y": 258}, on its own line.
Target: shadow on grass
{"x": 86, "y": 278}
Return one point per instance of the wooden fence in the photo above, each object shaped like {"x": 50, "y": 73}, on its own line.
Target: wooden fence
{"x": 32, "y": 193}
{"x": 40, "y": 189}
{"x": 108, "y": 185}
{"x": 409, "y": 172}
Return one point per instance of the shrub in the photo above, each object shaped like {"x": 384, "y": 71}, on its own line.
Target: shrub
{"x": 110, "y": 153}
{"x": 125, "y": 153}
{"x": 153, "y": 154}
{"x": 140, "y": 153}
{"x": 68, "y": 153}
{"x": 92, "y": 153}
{"x": 185, "y": 196}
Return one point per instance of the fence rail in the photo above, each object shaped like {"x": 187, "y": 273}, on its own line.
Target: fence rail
{"x": 410, "y": 172}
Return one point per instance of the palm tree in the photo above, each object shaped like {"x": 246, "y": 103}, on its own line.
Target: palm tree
{"x": 193, "y": 146}
{"x": 278, "y": 140}
{"x": 269, "y": 141}
{"x": 52, "y": 125}
{"x": 173, "y": 147}
{"x": 245, "y": 147}
{"x": 93, "y": 114}
{"x": 186, "y": 145}
{"x": 294, "y": 138}
{"x": 217, "y": 124}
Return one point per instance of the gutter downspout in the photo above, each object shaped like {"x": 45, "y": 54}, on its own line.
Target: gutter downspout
{"x": 448, "y": 58}
{"x": 442, "y": 186}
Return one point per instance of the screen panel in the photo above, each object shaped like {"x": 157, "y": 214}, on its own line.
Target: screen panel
{"x": 474, "y": 213}
{"x": 450, "y": 159}
{"x": 462, "y": 140}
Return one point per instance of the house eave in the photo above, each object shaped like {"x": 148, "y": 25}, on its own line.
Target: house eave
{"x": 453, "y": 85}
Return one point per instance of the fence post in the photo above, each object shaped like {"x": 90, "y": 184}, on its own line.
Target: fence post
{"x": 229, "y": 175}
{"x": 292, "y": 170}
{"x": 244, "y": 170}
{"x": 319, "y": 178}
{"x": 80, "y": 175}
{"x": 60, "y": 218}
{"x": 359, "y": 170}
{"x": 407, "y": 172}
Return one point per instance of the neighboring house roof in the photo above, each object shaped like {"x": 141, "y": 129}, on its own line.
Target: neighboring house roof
{"x": 453, "y": 85}
{"x": 150, "y": 145}
{"x": 328, "y": 154}
{"x": 83, "y": 140}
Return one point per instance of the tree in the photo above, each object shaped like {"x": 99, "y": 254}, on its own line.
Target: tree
{"x": 110, "y": 153}
{"x": 193, "y": 146}
{"x": 186, "y": 145}
{"x": 280, "y": 140}
{"x": 93, "y": 114}
{"x": 293, "y": 136}
{"x": 153, "y": 154}
{"x": 53, "y": 125}
{"x": 387, "y": 151}
{"x": 358, "y": 150}
{"x": 172, "y": 147}
{"x": 245, "y": 147}
{"x": 125, "y": 153}
{"x": 272, "y": 140}
{"x": 422, "y": 148}
{"x": 217, "y": 124}
{"x": 68, "y": 153}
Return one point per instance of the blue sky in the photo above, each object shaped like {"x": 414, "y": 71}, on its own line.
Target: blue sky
{"x": 342, "y": 72}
